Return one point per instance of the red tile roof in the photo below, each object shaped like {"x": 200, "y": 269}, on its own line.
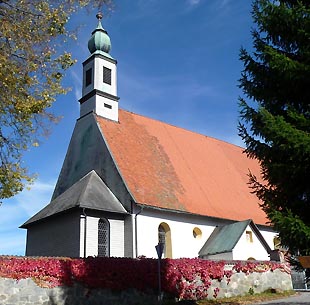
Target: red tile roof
{"x": 172, "y": 168}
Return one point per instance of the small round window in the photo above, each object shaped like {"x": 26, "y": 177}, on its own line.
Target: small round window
{"x": 197, "y": 233}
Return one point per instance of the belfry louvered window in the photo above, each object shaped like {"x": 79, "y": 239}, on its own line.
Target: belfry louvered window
{"x": 103, "y": 238}
{"x": 88, "y": 77}
{"x": 107, "y": 75}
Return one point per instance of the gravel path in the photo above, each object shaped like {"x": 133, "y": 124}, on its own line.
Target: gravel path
{"x": 303, "y": 298}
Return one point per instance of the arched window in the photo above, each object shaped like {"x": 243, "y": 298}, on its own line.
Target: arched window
{"x": 161, "y": 235}
{"x": 164, "y": 237}
{"x": 103, "y": 238}
{"x": 197, "y": 233}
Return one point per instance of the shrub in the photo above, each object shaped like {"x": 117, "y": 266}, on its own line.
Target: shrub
{"x": 180, "y": 278}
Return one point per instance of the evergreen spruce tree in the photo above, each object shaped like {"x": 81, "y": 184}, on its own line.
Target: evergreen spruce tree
{"x": 275, "y": 116}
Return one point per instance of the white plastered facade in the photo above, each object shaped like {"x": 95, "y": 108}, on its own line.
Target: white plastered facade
{"x": 184, "y": 243}
{"x": 250, "y": 247}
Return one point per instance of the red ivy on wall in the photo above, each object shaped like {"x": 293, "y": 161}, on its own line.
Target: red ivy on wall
{"x": 181, "y": 278}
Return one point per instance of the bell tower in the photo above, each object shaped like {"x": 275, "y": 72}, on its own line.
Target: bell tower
{"x": 99, "y": 92}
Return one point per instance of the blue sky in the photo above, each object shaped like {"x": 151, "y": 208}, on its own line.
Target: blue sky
{"x": 177, "y": 62}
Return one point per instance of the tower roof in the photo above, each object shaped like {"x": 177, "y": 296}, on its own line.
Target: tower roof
{"x": 100, "y": 40}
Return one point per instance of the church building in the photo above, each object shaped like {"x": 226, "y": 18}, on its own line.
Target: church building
{"x": 129, "y": 182}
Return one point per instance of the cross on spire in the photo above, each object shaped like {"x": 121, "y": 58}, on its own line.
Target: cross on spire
{"x": 99, "y": 16}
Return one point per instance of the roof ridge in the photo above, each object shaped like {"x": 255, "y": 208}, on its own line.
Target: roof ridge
{"x": 178, "y": 127}
{"x": 246, "y": 223}
{"x": 82, "y": 191}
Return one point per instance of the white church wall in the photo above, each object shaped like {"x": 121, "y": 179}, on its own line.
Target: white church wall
{"x": 106, "y": 107}
{"x": 102, "y": 105}
{"x": 269, "y": 237}
{"x": 184, "y": 244}
{"x": 249, "y": 246}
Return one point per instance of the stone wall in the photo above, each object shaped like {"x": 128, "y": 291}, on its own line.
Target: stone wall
{"x": 26, "y": 292}
{"x": 258, "y": 282}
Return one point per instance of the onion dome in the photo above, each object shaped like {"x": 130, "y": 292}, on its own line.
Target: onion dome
{"x": 100, "y": 40}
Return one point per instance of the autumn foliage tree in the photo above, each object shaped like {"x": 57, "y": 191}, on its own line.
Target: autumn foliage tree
{"x": 275, "y": 116}
{"x": 32, "y": 66}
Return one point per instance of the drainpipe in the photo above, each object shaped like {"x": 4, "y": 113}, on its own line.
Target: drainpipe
{"x": 136, "y": 231}
{"x": 133, "y": 235}
{"x": 85, "y": 232}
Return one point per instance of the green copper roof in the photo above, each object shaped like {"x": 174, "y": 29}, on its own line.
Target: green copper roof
{"x": 100, "y": 40}
{"x": 224, "y": 239}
